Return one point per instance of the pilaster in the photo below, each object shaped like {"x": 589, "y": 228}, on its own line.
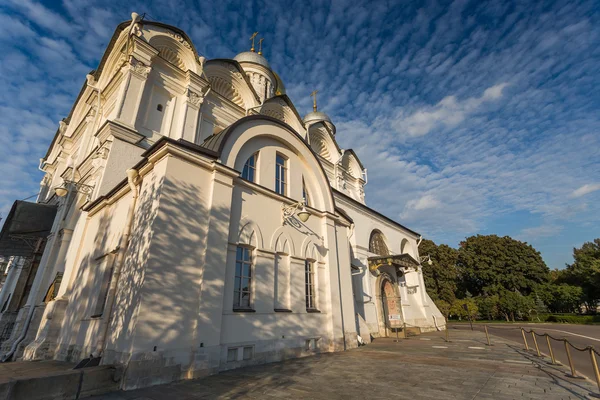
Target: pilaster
{"x": 135, "y": 74}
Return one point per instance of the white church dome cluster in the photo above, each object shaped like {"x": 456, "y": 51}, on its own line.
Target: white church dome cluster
{"x": 191, "y": 221}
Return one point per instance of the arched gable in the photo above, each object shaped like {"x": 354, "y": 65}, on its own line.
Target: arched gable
{"x": 282, "y": 108}
{"x": 230, "y": 141}
{"x": 352, "y": 164}
{"x": 310, "y": 250}
{"x": 251, "y": 234}
{"x": 227, "y": 79}
{"x": 323, "y": 144}
{"x": 282, "y": 242}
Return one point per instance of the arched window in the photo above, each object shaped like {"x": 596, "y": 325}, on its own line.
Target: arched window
{"x": 377, "y": 244}
{"x": 404, "y": 247}
{"x": 249, "y": 171}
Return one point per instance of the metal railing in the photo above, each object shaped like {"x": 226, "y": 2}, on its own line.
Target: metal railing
{"x": 568, "y": 345}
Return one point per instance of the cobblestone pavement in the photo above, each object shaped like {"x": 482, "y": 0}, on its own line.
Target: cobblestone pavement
{"x": 423, "y": 367}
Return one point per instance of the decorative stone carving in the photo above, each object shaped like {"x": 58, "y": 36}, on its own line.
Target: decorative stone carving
{"x": 137, "y": 67}
{"x": 194, "y": 98}
{"x": 179, "y": 38}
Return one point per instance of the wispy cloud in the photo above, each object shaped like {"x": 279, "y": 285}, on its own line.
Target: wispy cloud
{"x": 448, "y": 112}
{"x": 585, "y": 189}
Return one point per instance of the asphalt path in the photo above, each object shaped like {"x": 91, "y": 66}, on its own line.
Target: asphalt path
{"x": 580, "y": 336}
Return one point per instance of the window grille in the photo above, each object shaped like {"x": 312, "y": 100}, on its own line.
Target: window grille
{"x": 249, "y": 171}
{"x": 243, "y": 278}
{"x": 309, "y": 274}
{"x": 280, "y": 175}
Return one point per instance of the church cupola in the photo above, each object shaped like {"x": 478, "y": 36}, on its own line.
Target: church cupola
{"x": 258, "y": 70}
{"x": 318, "y": 116}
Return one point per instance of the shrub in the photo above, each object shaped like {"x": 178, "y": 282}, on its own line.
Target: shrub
{"x": 573, "y": 319}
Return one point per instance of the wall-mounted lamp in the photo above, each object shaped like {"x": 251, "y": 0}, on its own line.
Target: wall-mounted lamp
{"x": 426, "y": 259}
{"x": 289, "y": 211}
{"x": 63, "y": 190}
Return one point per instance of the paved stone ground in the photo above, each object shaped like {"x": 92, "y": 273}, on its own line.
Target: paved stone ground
{"x": 423, "y": 367}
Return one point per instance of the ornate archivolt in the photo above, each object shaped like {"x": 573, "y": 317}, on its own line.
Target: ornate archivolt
{"x": 227, "y": 80}
{"x": 171, "y": 56}
{"x": 323, "y": 145}
{"x": 351, "y": 165}
{"x": 226, "y": 89}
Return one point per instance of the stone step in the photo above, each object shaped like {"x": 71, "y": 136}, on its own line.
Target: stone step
{"x": 49, "y": 380}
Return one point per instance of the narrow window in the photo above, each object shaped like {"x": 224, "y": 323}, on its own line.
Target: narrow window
{"x": 309, "y": 274}
{"x": 305, "y": 193}
{"x": 159, "y": 107}
{"x": 106, "y": 269}
{"x": 249, "y": 171}
{"x": 248, "y": 352}
{"x": 243, "y": 278}
{"x": 280, "y": 175}
{"x": 232, "y": 354}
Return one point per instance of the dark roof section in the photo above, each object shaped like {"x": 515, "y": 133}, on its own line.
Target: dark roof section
{"x": 369, "y": 209}
{"x": 26, "y": 223}
{"x": 344, "y": 214}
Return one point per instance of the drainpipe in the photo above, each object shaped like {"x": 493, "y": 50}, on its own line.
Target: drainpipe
{"x": 133, "y": 179}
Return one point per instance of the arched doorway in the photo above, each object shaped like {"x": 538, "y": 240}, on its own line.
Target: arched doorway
{"x": 389, "y": 306}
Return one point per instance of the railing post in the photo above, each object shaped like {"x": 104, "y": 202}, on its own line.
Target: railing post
{"x": 550, "y": 349}
{"x": 524, "y": 339}
{"x": 487, "y": 335}
{"x": 571, "y": 365}
{"x": 537, "y": 349}
{"x": 596, "y": 372}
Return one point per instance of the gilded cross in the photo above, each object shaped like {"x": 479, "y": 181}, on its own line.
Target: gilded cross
{"x": 260, "y": 46}
{"x": 314, "y": 96}
{"x": 252, "y": 38}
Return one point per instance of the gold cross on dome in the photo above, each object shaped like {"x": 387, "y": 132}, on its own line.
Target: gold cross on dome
{"x": 260, "y": 46}
{"x": 314, "y": 96}
{"x": 252, "y": 38}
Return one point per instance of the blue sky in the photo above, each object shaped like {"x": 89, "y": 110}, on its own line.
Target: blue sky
{"x": 471, "y": 117}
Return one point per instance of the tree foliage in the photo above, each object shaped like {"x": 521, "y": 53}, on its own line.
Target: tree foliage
{"x": 585, "y": 272}
{"x": 492, "y": 265}
{"x": 499, "y": 277}
{"x": 441, "y": 276}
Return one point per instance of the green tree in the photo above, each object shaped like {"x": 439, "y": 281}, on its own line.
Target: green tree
{"x": 585, "y": 272}
{"x": 464, "y": 309}
{"x": 441, "y": 276}
{"x": 490, "y": 264}
{"x": 514, "y": 305}
{"x": 443, "y": 306}
{"x": 488, "y": 306}
{"x": 560, "y": 297}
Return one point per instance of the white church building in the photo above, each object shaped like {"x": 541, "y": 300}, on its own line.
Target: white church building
{"x": 190, "y": 221}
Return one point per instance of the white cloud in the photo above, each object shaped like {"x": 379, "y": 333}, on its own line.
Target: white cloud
{"x": 448, "y": 112}
{"x": 423, "y": 203}
{"x": 533, "y": 233}
{"x": 585, "y": 189}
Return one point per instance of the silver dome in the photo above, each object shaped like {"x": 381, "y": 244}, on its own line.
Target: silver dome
{"x": 252, "y": 57}
{"x": 318, "y": 116}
